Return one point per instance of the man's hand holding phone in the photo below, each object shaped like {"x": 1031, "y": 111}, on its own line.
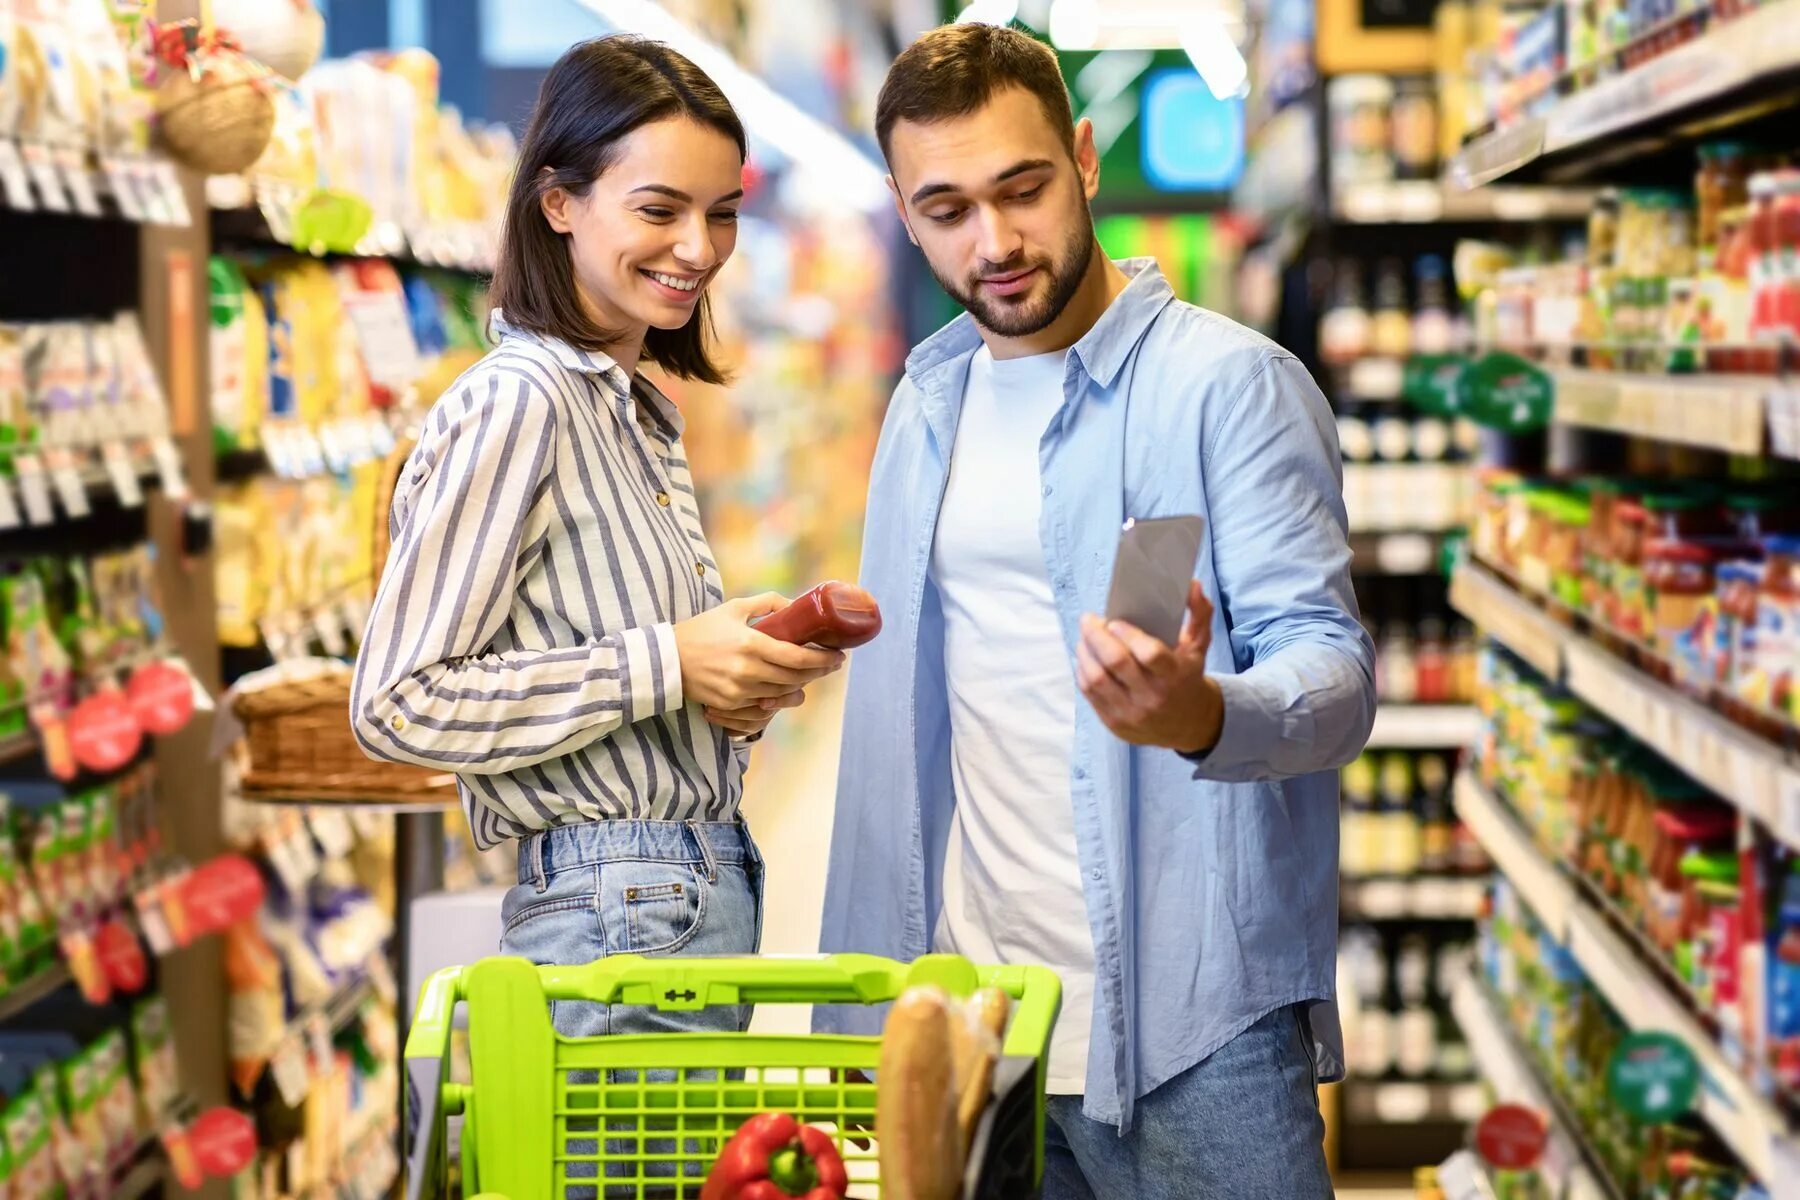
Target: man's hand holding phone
{"x": 1148, "y": 692}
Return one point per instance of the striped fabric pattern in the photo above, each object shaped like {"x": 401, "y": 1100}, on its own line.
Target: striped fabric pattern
{"x": 546, "y": 539}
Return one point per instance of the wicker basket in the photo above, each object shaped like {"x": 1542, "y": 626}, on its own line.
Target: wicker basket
{"x": 220, "y": 123}
{"x": 301, "y": 747}
{"x": 298, "y": 742}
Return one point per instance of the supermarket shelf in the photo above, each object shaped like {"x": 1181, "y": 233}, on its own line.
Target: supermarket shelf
{"x": 248, "y": 226}
{"x": 1426, "y": 202}
{"x": 1424, "y": 726}
{"x": 1727, "y": 413}
{"x": 1726, "y": 70}
{"x": 1397, "y": 553}
{"x": 1385, "y": 1102}
{"x": 33, "y": 991}
{"x": 1424, "y": 898}
{"x": 1514, "y": 1079}
{"x": 1751, "y": 772}
{"x": 1750, "y": 1125}
{"x": 1516, "y": 855}
{"x": 1522, "y": 626}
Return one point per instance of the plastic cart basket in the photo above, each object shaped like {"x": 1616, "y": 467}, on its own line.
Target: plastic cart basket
{"x": 644, "y": 1115}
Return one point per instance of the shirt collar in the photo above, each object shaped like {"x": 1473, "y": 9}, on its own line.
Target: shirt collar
{"x": 598, "y": 363}
{"x": 1101, "y": 351}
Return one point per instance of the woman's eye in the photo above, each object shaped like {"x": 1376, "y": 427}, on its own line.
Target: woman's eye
{"x": 726, "y": 217}
{"x": 657, "y": 214}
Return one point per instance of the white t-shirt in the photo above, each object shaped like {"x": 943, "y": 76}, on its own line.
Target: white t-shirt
{"x": 1012, "y": 882}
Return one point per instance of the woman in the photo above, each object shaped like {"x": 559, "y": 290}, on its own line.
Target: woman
{"x": 551, "y": 625}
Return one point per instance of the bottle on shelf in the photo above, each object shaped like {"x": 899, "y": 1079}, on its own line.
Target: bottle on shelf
{"x": 1433, "y": 325}
{"x": 1391, "y": 330}
{"x": 1415, "y": 1026}
{"x": 1437, "y": 823}
{"x": 1398, "y": 819}
{"x": 1344, "y": 331}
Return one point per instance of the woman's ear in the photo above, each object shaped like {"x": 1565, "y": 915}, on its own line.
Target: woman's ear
{"x": 556, "y": 202}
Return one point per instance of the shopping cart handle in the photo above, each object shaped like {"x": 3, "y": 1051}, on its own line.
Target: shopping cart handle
{"x": 687, "y": 984}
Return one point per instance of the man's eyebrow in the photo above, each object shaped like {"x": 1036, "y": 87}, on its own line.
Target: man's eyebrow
{"x": 929, "y": 190}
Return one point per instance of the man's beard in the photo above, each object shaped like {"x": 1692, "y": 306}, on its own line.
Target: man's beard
{"x": 1019, "y": 317}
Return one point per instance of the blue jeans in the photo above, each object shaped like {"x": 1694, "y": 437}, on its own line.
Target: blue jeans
{"x": 1243, "y": 1125}
{"x": 633, "y": 887}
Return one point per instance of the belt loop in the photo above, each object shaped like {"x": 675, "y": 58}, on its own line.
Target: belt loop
{"x": 535, "y": 849}
{"x": 706, "y": 852}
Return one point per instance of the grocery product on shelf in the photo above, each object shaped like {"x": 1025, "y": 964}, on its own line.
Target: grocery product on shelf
{"x": 87, "y": 665}
{"x": 1400, "y": 1028}
{"x": 1570, "y": 1035}
{"x": 1708, "y": 903}
{"x": 1693, "y": 580}
{"x": 80, "y": 407}
{"x": 431, "y": 188}
{"x": 1398, "y": 821}
{"x": 75, "y": 99}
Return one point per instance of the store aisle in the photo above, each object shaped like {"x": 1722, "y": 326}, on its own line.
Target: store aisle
{"x": 788, "y": 799}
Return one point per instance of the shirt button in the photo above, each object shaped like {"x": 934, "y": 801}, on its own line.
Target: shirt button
{"x": 662, "y": 498}
{"x": 1095, "y": 874}
{"x": 399, "y": 722}
{"x": 1048, "y": 489}
{"x": 1081, "y": 772}
{"x": 699, "y": 568}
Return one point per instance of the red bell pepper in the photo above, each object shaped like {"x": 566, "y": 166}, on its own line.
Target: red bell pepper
{"x": 774, "y": 1157}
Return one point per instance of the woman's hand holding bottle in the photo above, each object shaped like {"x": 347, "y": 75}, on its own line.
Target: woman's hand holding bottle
{"x": 743, "y": 677}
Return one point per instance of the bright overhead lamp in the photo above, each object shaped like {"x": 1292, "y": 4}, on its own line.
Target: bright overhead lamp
{"x": 1220, "y": 63}
{"x": 811, "y": 145}
{"x": 1134, "y": 24}
{"x": 989, "y": 12}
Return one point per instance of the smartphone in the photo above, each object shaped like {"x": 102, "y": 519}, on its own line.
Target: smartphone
{"x": 1151, "y": 573}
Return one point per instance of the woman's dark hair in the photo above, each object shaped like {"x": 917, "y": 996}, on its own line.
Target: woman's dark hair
{"x": 598, "y": 92}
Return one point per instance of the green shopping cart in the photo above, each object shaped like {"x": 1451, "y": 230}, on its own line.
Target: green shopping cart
{"x": 644, "y": 1115}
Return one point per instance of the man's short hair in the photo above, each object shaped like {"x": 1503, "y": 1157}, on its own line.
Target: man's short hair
{"x": 955, "y": 69}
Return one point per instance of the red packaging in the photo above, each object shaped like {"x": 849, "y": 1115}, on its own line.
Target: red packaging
{"x": 837, "y": 616}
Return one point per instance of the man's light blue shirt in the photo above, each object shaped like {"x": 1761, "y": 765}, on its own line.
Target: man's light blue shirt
{"x": 1211, "y": 884}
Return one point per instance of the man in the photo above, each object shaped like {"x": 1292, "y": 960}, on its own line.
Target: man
{"x": 1023, "y": 781}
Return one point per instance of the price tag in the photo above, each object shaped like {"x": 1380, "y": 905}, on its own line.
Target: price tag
{"x": 288, "y": 1066}
{"x": 332, "y": 831}
{"x": 44, "y": 175}
{"x": 70, "y": 490}
{"x": 148, "y": 190}
{"x": 15, "y": 181}
{"x": 283, "y": 855}
{"x": 312, "y": 453}
{"x": 79, "y": 181}
{"x": 330, "y": 627}
{"x": 10, "y": 516}
{"x": 168, "y": 185}
{"x": 34, "y": 489}
{"x": 1784, "y": 1165}
{"x": 1787, "y": 806}
{"x": 319, "y": 1034}
{"x": 152, "y": 920}
{"x": 123, "y": 473}
{"x": 124, "y": 189}
{"x": 381, "y": 977}
{"x": 168, "y": 467}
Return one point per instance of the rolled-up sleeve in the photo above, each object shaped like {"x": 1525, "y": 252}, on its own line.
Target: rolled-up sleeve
{"x": 429, "y": 688}
{"x": 1303, "y": 696}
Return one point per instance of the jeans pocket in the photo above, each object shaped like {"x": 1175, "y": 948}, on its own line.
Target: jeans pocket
{"x": 660, "y": 906}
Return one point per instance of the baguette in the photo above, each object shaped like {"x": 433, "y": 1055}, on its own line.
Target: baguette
{"x": 983, "y": 1026}
{"x": 915, "y": 1100}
